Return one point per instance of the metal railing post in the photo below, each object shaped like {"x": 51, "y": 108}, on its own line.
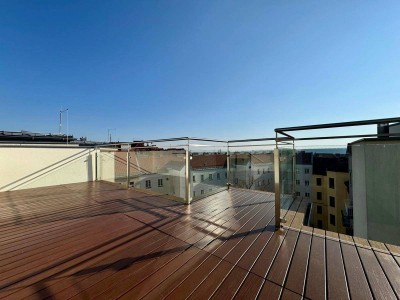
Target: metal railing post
{"x": 187, "y": 175}
{"x": 128, "y": 166}
{"x": 277, "y": 187}
{"x": 294, "y": 173}
{"x": 96, "y": 170}
{"x": 228, "y": 167}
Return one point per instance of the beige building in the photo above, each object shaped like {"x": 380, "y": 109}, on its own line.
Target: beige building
{"x": 329, "y": 194}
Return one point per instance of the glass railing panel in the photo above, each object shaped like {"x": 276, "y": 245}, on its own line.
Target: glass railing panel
{"x": 152, "y": 168}
{"x": 208, "y": 168}
{"x": 286, "y": 184}
{"x": 112, "y": 163}
{"x": 209, "y": 174}
{"x": 161, "y": 171}
{"x": 252, "y": 169}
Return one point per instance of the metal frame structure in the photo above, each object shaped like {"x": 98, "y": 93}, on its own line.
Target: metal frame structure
{"x": 282, "y": 138}
{"x": 289, "y": 137}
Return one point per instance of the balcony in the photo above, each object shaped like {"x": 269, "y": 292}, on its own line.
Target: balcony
{"x": 180, "y": 218}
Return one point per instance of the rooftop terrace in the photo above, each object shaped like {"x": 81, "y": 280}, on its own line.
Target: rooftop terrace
{"x": 99, "y": 240}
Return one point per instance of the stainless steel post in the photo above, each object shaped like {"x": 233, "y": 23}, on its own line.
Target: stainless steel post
{"x": 294, "y": 173}
{"x": 277, "y": 187}
{"x": 96, "y": 170}
{"x": 228, "y": 166}
{"x": 187, "y": 175}
{"x": 128, "y": 165}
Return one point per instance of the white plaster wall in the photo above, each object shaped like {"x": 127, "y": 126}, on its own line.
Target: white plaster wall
{"x": 23, "y": 167}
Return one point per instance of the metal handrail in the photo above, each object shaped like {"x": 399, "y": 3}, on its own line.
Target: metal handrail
{"x": 339, "y": 124}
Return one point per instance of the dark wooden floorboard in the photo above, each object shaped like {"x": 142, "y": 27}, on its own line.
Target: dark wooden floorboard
{"x": 357, "y": 281}
{"x": 298, "y": 268}
{"x": 316, "y": 283}
{"x": 335, "y": 271}
{"x": 100, "y": 241}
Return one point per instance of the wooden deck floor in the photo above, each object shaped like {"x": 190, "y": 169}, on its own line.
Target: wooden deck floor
{"x": 95, "y": 240}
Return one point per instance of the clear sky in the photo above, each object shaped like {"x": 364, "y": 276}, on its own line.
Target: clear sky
{"x": 217, "y": 69}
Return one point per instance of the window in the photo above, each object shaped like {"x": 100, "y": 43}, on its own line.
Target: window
{"x": 319, "y": 196}
{"x": 332, "y": 219}
{"x": 268, "y": 181}
{"x": 319, "y": 209}
{"x": 259, "y": 183}
{"x": 306, "y": 171}
{"x": 202, "y": 192}
{"x": 297, "y": 171}
{"x": 148, "y": 184}
{"x": 297, "y": 193}
{"x": 258, "y": 171}
{"x": 307, "y": 195}
{"x": 202, "y": 177}
{"x": 194, "y": 194}
{"x": 319, "y": 224}
{"x": 236, "y": 181}
{"x": 331, "y": 183}
{"x": 160, "y": 183}
{"x": 297, "y": 181}
{"x": 306, "y": 182}
{"x": 263, "y": 182}
{"x": 331, "y": 201}
{"x": 194, "y": 178}
{"x": 226, "y": 175}
{"x": 210, "y": 177}
{"x": 218, "y": 176}
{"x": 319, "y": 181}
{"x": 263, "y": 171}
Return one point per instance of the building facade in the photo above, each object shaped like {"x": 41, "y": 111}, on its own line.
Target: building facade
{"x": 303, "y": 174}
{"x": 329, "y": 185}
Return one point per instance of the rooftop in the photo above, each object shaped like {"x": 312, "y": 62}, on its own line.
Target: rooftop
{"x": 99, "y": 240}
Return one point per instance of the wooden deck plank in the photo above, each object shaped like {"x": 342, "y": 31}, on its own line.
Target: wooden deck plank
{"x": 380, "y": 286}
{"x": 280, "y": 266}
{"x": 265, "y": 260}
{"x": 316, "y": 280}
{"x": 170, "y": 283}
{"x": 357, "y": 281}
{"x": 335, "y": 271}
{"x": 250, "y": 287}
{"x": 270, "y": 290}
{"x": 391, "y": 269}
{"x": 212, "y": 282}
{"x": 195, "y": 279}
{"x": 230, "y": 285}
{"x": 298, "y": 268}
{"x": 289, "y": 295}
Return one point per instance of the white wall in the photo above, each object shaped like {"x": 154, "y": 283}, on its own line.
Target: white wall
{"x": 24, "y": 166}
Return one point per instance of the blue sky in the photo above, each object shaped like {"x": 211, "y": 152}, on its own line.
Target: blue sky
{"x": 217, "y": 69}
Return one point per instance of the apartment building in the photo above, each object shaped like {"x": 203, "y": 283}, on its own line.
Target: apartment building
{"x": 303, "y": 174}
{"x": 330, "y": 183}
